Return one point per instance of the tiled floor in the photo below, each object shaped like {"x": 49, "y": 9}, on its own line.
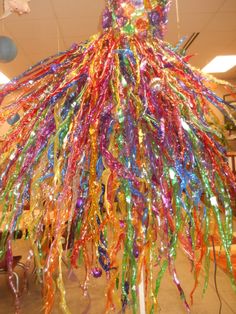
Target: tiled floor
{"x": 169, "y": 300}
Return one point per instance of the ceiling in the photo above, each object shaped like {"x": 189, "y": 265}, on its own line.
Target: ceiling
{"x": 53, "y": 25}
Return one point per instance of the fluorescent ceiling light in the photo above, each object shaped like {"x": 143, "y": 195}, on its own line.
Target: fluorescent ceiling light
{"x": 3, "y": 79}
{"x": 220, "y": 64}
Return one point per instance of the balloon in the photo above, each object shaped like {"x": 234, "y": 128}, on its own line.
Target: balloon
{"x": 12, "y": 120}
{"x": 8, "y": 50}
{"x": 15, "y": 6}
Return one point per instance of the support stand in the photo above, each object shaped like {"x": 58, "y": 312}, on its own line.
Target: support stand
{"x": 141, "y": 294}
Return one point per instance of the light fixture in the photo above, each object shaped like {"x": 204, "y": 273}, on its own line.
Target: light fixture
{"x": 220, "y": 64}
{"x": 3, "y": 79}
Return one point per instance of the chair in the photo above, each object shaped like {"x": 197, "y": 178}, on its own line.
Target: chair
{"x": 4, "y": 270}
{"x": 16, "y": 262}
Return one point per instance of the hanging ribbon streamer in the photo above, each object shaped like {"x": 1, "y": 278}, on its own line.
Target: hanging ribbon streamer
{"x": 115, "y": 157}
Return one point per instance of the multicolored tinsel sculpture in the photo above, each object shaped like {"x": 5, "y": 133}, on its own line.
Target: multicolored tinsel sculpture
{"x": 116, "y": 159}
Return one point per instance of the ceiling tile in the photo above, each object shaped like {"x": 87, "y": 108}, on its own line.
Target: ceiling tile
{"x": 194, "y": 23}
{"x": 17, "y": 66}
{"x": 229, "y": 6}
{"x": 42, "y": 45}
{"x": 223, "y": 22}
{"x": 171, "y": 34}
{"x": 188, "y": 25}
{"x": 37, "y": 57}
{"x": 213, "y": 38}
{"x": 39, "y": 9}
{"x": 232, "y": 45}
{"x": 68, "y": 9}
{"x": 228, "y": 76}
{"x": 69, "y": 41}
{"x": 200, "y": 6}
{"x": 83, "y": 28}
{"x": 211, "y": 41}
{"x": 29, "y": 29}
